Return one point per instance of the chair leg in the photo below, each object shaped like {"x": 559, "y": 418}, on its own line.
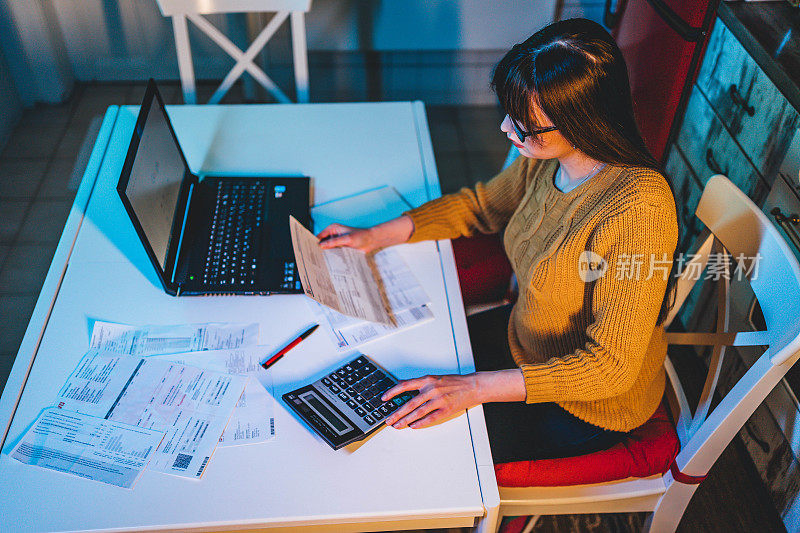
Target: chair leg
{"x": 669, "y": 510}
{"x": 530, "y": 524}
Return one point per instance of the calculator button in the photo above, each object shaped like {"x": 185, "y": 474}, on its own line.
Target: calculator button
{"x": 326, "y": 381}
{"x": 377, "y": 414}
{"x": 385, "y": 383}
{"x": 360, "y": 399}
{"x": 360, "y": 386}
{"x": 334, "y": 389}
{"x": 336, "y": 377}
{"x": 360, "y": 411}
{"x": 384, "y": 409}
{"x": 368, "y": 419}
{"x": 348, "y": 368}
{"x": 368, "y": 406}
{"x": 342, "y": 372}
{"x": 360, "y": 362}
{"x": 351, "y": 391}
{"x": 368, "y": 368}
{"x": 351, "y": 404}
{"x": 374, "y": 378}
{"x": 296, "y": 401}
{"x": 391, "y": 406}
{"x": 349, "y": 379}
{"x": 343, "y": 396}
{"x": 398, "y": 401}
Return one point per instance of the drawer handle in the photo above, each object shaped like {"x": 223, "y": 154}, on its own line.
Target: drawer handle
{"x": 789, "y": 225}
{"x": 712, "y": 163}
{"x": 737, "y": 98}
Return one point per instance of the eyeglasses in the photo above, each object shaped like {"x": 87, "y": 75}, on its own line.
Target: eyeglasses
{"x": 522, "y": 133}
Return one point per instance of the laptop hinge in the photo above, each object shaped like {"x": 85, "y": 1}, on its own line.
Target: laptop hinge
{"x": 183, "y": 231}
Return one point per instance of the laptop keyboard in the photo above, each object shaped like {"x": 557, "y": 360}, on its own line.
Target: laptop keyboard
{"x": 231, "y": 259}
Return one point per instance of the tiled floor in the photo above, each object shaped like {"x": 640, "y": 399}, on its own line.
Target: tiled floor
{"x": 38, "y": 178}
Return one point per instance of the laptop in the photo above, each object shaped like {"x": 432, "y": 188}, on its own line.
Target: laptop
{"x": 208, "y": 234}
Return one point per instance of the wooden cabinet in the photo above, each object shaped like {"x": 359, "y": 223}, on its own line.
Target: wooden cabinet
{"x": 736, "y": 123}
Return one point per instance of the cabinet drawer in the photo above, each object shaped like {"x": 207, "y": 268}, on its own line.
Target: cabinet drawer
{"x": 709, "y": 149}
{"x": 747, "y": 102}
{"x": 687, "y": 189}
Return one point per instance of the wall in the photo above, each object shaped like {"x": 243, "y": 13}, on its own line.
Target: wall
{"x": 10, "y": 103}
{"x": 440, "y": 52}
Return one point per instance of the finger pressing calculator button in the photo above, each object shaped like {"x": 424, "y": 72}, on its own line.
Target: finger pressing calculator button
{"x": 368, "y": 419}
{"x": 377, "y": 414}
{"x": 351, "y": 404}
{"x": 360, "y": 411}
{"x": 344, "y": 396}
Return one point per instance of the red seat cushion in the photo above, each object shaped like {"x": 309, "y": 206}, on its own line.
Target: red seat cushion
{"x": 483, "y": 269}
{"x": 647, "y": 450}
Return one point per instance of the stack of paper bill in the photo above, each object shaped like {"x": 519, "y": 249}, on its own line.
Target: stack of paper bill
{"x": 161, "y": 397}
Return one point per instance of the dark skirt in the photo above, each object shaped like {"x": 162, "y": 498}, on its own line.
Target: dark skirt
{"x": 519, "y": 431}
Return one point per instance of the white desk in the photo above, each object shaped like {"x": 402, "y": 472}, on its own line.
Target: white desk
{"x": 436, "y": 477}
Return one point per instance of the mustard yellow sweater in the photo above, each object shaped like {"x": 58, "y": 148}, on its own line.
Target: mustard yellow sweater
{"x": 592, "y": 346}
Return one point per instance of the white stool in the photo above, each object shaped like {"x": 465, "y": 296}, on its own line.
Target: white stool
{"x": 180, "y": 10}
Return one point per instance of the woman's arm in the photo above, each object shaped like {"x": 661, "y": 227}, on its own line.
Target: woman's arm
{"x": 441, "y": 397}
{"x": 395, "y": 231}
{"x": 486, "y": 208}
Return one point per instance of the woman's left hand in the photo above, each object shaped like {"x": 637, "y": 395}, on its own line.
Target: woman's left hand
{"x": 439, "y": 398}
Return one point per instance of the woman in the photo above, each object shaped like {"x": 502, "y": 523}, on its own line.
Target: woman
{"x": 585, "y": 347}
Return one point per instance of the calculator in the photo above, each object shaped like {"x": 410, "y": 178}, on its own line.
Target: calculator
{"x": 345, "y": 406}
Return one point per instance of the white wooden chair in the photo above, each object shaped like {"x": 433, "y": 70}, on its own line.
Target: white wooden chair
{"x": 183, "y": 10}
{"x": 738, "y": 228}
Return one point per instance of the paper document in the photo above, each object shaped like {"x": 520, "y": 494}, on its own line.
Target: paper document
{"x": 87, "y": 446}
{"x": 360, "y": 210}
{"x": 149, "y": 340}
{"x": 341, "y": 278}
{"x": 192, "y": 405}
{"x": 253, "y": 418}
{"x": 409, "y": 303}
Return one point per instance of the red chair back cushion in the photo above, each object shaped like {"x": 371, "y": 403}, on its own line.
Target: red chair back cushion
{"x": 483, "y": 269}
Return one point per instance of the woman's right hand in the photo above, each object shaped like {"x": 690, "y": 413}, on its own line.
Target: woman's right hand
{"x": 396, "y": 231}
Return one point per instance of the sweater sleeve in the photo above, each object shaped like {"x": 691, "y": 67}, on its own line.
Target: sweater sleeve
{"x": 486, "y": 208}
{"x": 624, "y": 308}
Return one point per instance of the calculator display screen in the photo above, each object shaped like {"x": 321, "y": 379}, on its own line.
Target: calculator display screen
{"x": 321, "y": 409}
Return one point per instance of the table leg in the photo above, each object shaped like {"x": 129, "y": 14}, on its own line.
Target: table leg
{"x": 185, "y": 66}
{"x": 300, "y": 55}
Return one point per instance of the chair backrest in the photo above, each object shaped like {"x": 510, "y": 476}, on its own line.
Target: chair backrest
{"x": 741, "y": 243}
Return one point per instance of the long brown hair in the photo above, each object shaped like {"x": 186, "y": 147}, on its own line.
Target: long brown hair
{"x": 576, "y": 74}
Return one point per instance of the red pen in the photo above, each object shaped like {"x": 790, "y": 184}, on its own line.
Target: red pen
{"x": 269, "y": 362}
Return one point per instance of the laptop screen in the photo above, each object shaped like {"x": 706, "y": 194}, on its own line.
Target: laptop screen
{"x": 155, "y": 179}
